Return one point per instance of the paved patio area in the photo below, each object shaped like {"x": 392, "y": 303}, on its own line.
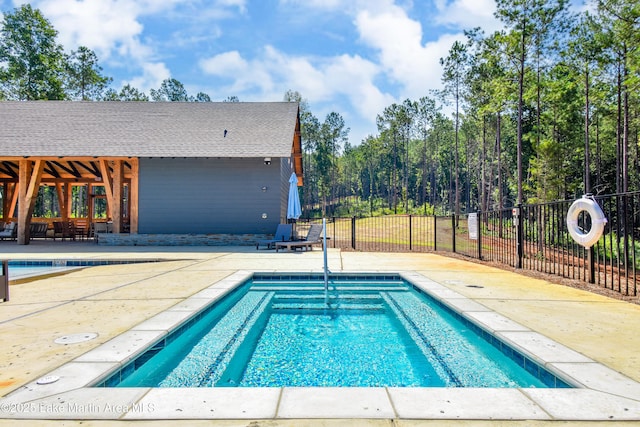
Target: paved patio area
{"x": 110, "y": 300}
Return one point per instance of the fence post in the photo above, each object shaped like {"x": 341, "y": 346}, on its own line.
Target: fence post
{"x": 435, "y": 233}
{"x": 479, "y": 218}
{"x": 519, "y": 236}
{"x": 453, "y": 229}
{"x": 334, "y": 230}
{"x": 591, "y": 263}
{"x": 410, "y": 234}
{"x": 353, "y": 233}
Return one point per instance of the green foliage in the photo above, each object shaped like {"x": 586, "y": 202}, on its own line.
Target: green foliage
{"x": 533, "y": 103}
{"x": 170, "y": 90}
{"x": 127, "y": 93}
{"x": 85, "y": 81}
{"x": 31, "y": 61}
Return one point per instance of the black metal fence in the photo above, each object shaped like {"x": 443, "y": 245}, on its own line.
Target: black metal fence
{"x": 533, "y": 237}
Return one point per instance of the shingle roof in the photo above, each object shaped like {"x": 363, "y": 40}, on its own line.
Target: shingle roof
{"x": 147, "y": 129}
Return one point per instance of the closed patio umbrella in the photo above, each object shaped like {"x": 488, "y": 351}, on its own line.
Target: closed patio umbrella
{"x": 293, "y": 209}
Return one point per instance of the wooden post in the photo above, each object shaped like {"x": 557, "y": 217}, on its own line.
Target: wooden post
{"x": 5, "y": 201}
{"x": 116, "y": 204}
{"x": 133, "y": 196}
{"x": 29, "y": 184}
{"x": 12, "y": 196}
{"x": 90, "y": 202}
{"x": 62, "y": 200}
{"x": 108, "y": 188}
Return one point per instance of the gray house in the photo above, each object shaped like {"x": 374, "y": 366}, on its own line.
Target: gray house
{"x": 165, "y": 168}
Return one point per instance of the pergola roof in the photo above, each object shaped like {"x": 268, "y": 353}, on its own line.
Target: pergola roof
{"x": 147, "y": 129}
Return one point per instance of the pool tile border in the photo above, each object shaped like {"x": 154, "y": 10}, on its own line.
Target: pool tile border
{"x": 64, "y": 262}
{"x": 602, "y": 393}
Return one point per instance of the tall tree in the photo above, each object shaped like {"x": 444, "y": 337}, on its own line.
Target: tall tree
{"x": 455, "y": 67}
{"x": 127, "y": 93}
{"x": 31, "y": 60}
{"x": 84, "y": 75}
{"x": 622, "y": 17}
{"x": 170, "y": 90}
{"x": 527, "y": 22}
{"x": 583, "y": 51}
{"x": 202, "y": 97}
{"x": 426, "y": 112}
{"x": 333, "y": 135}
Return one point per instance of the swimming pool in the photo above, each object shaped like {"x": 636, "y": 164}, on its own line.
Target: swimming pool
{"x": 364, "y": 331}
{"x": 69, "y": 391}
{"x": 26, "y": 270}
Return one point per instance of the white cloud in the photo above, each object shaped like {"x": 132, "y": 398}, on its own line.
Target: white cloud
{"x": 114, "y": 29}
{"x": 468, "y": 14}
{"x": 152, "y": 76}
{"x": 322, "y": 81}
{"x": 244, "y": 76}
{"x": 106, "y": 26}
{"x": 389, "y": 61}
{"x": 316, "y": 4}
{"x": 409, "y": 63}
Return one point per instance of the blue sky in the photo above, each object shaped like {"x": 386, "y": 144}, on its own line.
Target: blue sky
{"x": 354, "y": 57}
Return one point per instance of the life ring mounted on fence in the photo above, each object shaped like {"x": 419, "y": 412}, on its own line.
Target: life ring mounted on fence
{"x": 589, "y": 205}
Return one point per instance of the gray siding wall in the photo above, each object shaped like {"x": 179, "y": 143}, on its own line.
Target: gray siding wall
{"x": 209, "y": 196}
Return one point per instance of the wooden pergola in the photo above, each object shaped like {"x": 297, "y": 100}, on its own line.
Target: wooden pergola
{"x": 22, "y": 177}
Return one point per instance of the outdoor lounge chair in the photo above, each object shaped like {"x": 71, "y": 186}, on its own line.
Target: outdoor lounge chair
{"x": 283, "y": 234}
{"x": 63, "y": 229}
{"x": 38, "y": 230}
{"x": 313, "y": 237}
{"x": 10, "y": 231}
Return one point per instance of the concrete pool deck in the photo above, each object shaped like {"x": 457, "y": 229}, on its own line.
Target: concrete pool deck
{"x": 110, "y": 300}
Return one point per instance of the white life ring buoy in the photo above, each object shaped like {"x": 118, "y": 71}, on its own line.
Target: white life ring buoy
{"x": 598, "y": 220}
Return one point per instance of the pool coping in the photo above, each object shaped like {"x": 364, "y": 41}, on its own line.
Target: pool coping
{"x": 69, "y": 265}
{"x": 601, "y": 393}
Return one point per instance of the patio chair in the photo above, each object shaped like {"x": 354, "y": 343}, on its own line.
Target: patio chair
{"x": 63, "y": 229}
{"x": 10, "y": 231}
{"x": 313, "y": 237}
{"x": 283, "y": 234}
{"x": 99, "y": 228}
{"x": 82, "y": 228}
{"x": 38, "y": 230}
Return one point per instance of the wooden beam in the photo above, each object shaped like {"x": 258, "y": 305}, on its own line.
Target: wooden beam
{"x": 9, "y": 168}
{"x": 12, "y": 195}
{"x": 70, "y": 169}
{"x": 106, "y": 180}
{"x": 116, "y": 212}
{"x": 29, "y": 186}
{"x": 62, "y": 201}
{"x": 133, "y": 197}
{"x": 5, "y": 200}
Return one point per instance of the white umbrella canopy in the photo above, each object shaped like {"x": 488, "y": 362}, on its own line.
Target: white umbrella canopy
{"x": 293, "y": 209}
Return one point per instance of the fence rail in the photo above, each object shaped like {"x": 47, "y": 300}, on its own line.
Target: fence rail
{"x": 533, "y": 237}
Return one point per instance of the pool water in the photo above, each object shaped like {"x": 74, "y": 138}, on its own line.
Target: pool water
{"x": 19, "y": 272}
{"x": 281, "y": 333}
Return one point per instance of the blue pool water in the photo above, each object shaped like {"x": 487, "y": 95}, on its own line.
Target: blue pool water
{"x": 274, "y": 333}
{"x": 25, "y": 269}
{"x": 18, "y": 272}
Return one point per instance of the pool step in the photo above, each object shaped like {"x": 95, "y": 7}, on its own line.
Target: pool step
{"x": 332, "y": 297}
{"x": 320, "y": 288}
{"x": 322, "y": 307}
